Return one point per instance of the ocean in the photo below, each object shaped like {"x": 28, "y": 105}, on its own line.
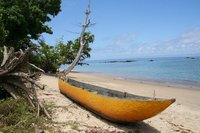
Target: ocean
{"x": 180, "y": 70}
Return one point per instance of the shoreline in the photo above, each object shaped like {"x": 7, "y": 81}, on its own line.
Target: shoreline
{"x": 180, "y": 85}
{"x": 183, "y": 95}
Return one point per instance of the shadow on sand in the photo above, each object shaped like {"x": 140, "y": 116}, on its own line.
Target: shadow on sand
{"x": 137, "y": 127}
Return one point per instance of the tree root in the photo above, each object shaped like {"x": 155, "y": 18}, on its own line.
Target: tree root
{"x": 15, "y": 79}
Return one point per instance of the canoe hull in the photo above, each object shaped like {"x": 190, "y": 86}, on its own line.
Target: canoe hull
{"x": 114, "y": 109}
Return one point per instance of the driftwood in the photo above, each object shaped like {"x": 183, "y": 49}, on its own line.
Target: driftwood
{"x": 15, "y": 79}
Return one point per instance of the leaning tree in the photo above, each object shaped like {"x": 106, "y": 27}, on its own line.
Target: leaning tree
{"x": 82, "y": 42}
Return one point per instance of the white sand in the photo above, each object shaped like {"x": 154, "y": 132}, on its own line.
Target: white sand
{"x": 183, "y": 116}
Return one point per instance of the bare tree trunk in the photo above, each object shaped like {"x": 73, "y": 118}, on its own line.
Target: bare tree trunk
{"x": 17, "y": 82}
{"x": 82, "y": 41}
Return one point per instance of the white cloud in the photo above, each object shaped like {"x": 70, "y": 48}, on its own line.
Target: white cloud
{"x": 121, "y": 42}
{"x": 116, "y": 46}
{"x": 125, "y": 45}
{"x": 187, "y": 43}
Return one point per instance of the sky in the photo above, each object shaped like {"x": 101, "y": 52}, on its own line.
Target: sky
{"x": 132, "y": 28}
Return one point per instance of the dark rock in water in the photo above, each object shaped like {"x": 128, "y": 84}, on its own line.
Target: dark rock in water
{"x": 151, "y": 60}
{"x": 190, "y": 58}
{"x": 111, "y": 61}
{"x": 130, "y": 61}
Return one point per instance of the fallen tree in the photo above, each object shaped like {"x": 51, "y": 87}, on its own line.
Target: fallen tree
{"x": 17, "y": 80}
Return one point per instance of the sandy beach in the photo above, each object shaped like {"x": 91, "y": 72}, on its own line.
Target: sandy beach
{"x": 183, "y": 116}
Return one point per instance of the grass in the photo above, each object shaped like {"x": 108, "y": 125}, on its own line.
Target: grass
{"x": 18, "y": 116}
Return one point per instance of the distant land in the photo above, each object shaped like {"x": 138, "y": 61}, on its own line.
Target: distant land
{"x": 123, "y": 61}
{"x": 119, "y": 61}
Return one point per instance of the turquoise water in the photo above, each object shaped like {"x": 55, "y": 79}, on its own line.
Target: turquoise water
{"x": 185, "y": 71}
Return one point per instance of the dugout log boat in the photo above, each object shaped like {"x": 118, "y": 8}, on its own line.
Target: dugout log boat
{"x": 116, "y": 106}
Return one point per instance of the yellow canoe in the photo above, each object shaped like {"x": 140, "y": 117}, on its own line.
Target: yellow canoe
{"x": 113, "y": 105}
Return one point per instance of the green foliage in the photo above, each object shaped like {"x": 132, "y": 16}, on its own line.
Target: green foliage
{"x": 47, "y": 57}
{"x": 50, "y": 58}
{"x": 69, "y": 51}
{"x": 18, "y": 116}
{"x": 23, "y": 20}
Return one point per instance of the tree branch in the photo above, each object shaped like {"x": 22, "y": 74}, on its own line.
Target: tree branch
{"x": 34, "y": 66}
{"x": 26, "y": 76}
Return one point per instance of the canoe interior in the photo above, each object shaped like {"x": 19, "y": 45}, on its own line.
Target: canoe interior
{"x": 107, "y": 92}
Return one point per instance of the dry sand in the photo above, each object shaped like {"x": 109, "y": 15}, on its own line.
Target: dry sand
{"x": 181, "y": 117}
